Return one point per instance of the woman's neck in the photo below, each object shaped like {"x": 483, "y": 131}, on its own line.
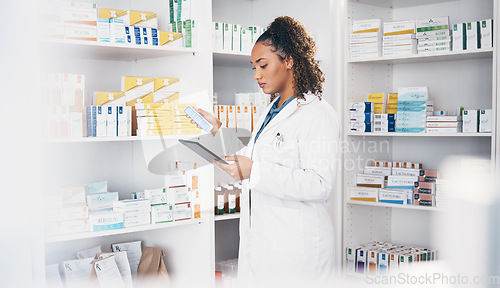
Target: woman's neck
{"x": 285, "y": 95}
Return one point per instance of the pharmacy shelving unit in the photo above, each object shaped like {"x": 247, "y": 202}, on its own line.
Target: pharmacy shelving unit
{"x": 191, "y": 246}
{"x": 465, "y": 78}
{"x": 123, "y": 161}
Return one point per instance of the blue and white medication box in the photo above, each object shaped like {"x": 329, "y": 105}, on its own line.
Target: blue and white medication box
{"x": 102, "y": 221}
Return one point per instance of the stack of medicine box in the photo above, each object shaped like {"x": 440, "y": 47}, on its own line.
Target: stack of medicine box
{"x": 151, "y": 37}
{"x": 109, "y": 120}
{"x": 433, "y": 35}
{"x": 100, "y": 202}
{"x": 361, "y": 116}
{"x": 412, "y": 109}
{"x": 477, "y": 121}
{"x": 399, "y": 38}
{"x": 424, "y": 193}
{"x": 380, "y": 258}
{"x": 382, "y": 121}
{"x": 135, "y": 211}
{"x": 67, "y": 211}
{"x": 233, "y": 37}
{"x": 239, "y": 117}
{"x": 64, "y": 108}
{"x": 392, "y": 103}
{"x": 79, "y": 20}
{"x": 387, "y": 182}
{"x": 141, "y": 90}
{"x": 161, "y": 211}
{"x": 181, "y": 21}
{"x": 366, "y": 39}
{"x": 164, "y": 119}
{"x": 473, "y": 35}
{"x": 179, "y": 196}
{"x": 110, "y": 28}
{"x": 444, "y": 124}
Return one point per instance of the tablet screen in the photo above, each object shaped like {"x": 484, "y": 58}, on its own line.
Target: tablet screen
{"x": 202, "y": 151}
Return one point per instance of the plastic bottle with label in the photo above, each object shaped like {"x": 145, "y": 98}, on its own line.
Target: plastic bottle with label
{"x": 239, "y": 190}
{"x": 219, "y": 201}
{"x": 226, "y": 198}
{"x": 231, "y": 192}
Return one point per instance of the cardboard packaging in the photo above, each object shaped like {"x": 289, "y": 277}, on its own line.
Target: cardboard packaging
{"x": 162, "y": 213}
{"x": 236, "y": 36}
{"x": 101, "y": 221}
{"x": 227, "y": 37}
{"x": 399, "y": 27}
{"x": 109, "y": 98}
{"x": 364, "y": 194}
{"x": 103, "y": 32}
{"x": 485, "y": 120}
{"x": 432, "y": 24}
{"x": 392, "y": 196}
{"x": 473, "y": 35}
{"x": 80, "y": 32}
{"x": 425, "y": 187}
{"x": 486, "y": 31}
{"x": 372, "y": 262}
{"x": 351, "y": 253}
{"x": 459, "y": 37}
{"x": 401, "y": 182}
{"x": 111, "y": 121}
{"x": 183, "y": 212}
{"x": 362, "y": 261}
{"x": 100, "y": 122}
{"x": 366, "y": 26}
{"x": 385, "y": 171}
{"x": 470, "y": 121}
{"x": 102, "y": 201}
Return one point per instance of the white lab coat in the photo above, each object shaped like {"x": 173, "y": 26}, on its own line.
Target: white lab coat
{"x": 286, "y": 233}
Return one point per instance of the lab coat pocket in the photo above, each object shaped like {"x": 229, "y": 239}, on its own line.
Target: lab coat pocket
{"x": 285, "y": 230}
{"x": 286, "y": 153}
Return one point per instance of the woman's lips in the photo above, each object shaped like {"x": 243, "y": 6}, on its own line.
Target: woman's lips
{"x": 262, "y": 85}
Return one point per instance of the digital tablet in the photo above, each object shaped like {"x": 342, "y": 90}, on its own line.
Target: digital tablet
{"x": 202, "y": 151}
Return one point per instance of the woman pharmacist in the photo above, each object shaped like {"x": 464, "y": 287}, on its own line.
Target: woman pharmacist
{"x": 286, "y": 233}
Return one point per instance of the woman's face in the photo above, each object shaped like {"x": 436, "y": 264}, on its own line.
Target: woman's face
{"x": 271, "y": 73}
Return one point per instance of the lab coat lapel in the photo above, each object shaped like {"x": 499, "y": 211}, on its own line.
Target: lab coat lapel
{"x": 263, "y": 116}
{"x": 288, "y": 110}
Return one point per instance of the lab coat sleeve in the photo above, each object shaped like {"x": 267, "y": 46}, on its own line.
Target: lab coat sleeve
{"x": 313, "y": 179}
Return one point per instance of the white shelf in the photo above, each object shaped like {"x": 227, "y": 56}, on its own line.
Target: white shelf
{"x": 230, "y": 58}
{"x": 82, "y": 49}
{"x": 122, "y": 139}
{"x": 430, "y": 57}
{"x": 87, "y": 235}
{"x": 227, "y": 216}
{"x": 394, "y": 134}
{"x": 388, "y": 205}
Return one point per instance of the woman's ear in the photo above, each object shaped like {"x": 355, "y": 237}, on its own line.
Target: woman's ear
{"x": 289, "y": 62}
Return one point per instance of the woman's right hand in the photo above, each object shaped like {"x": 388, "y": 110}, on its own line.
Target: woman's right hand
{"x": 216, "y": 123}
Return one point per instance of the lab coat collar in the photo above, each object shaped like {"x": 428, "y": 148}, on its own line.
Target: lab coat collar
{"x": 289, "y": 109}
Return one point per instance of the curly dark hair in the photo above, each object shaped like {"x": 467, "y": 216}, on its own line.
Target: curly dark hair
{"x": 289, "y": 38}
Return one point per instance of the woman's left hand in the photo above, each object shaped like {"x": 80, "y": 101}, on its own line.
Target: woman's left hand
{"x": 240, "y": 169}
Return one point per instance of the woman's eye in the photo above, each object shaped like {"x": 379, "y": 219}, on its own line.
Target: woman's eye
{"x": 253, "y": 68}
{"x": 264, "y": 66}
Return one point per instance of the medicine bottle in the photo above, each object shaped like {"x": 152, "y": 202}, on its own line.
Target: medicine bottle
{"x": 218, "y": 201}
{"x": 239, "y": 190}
{"x": 232, "y": 199}
{"x": 226, "y": 198}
